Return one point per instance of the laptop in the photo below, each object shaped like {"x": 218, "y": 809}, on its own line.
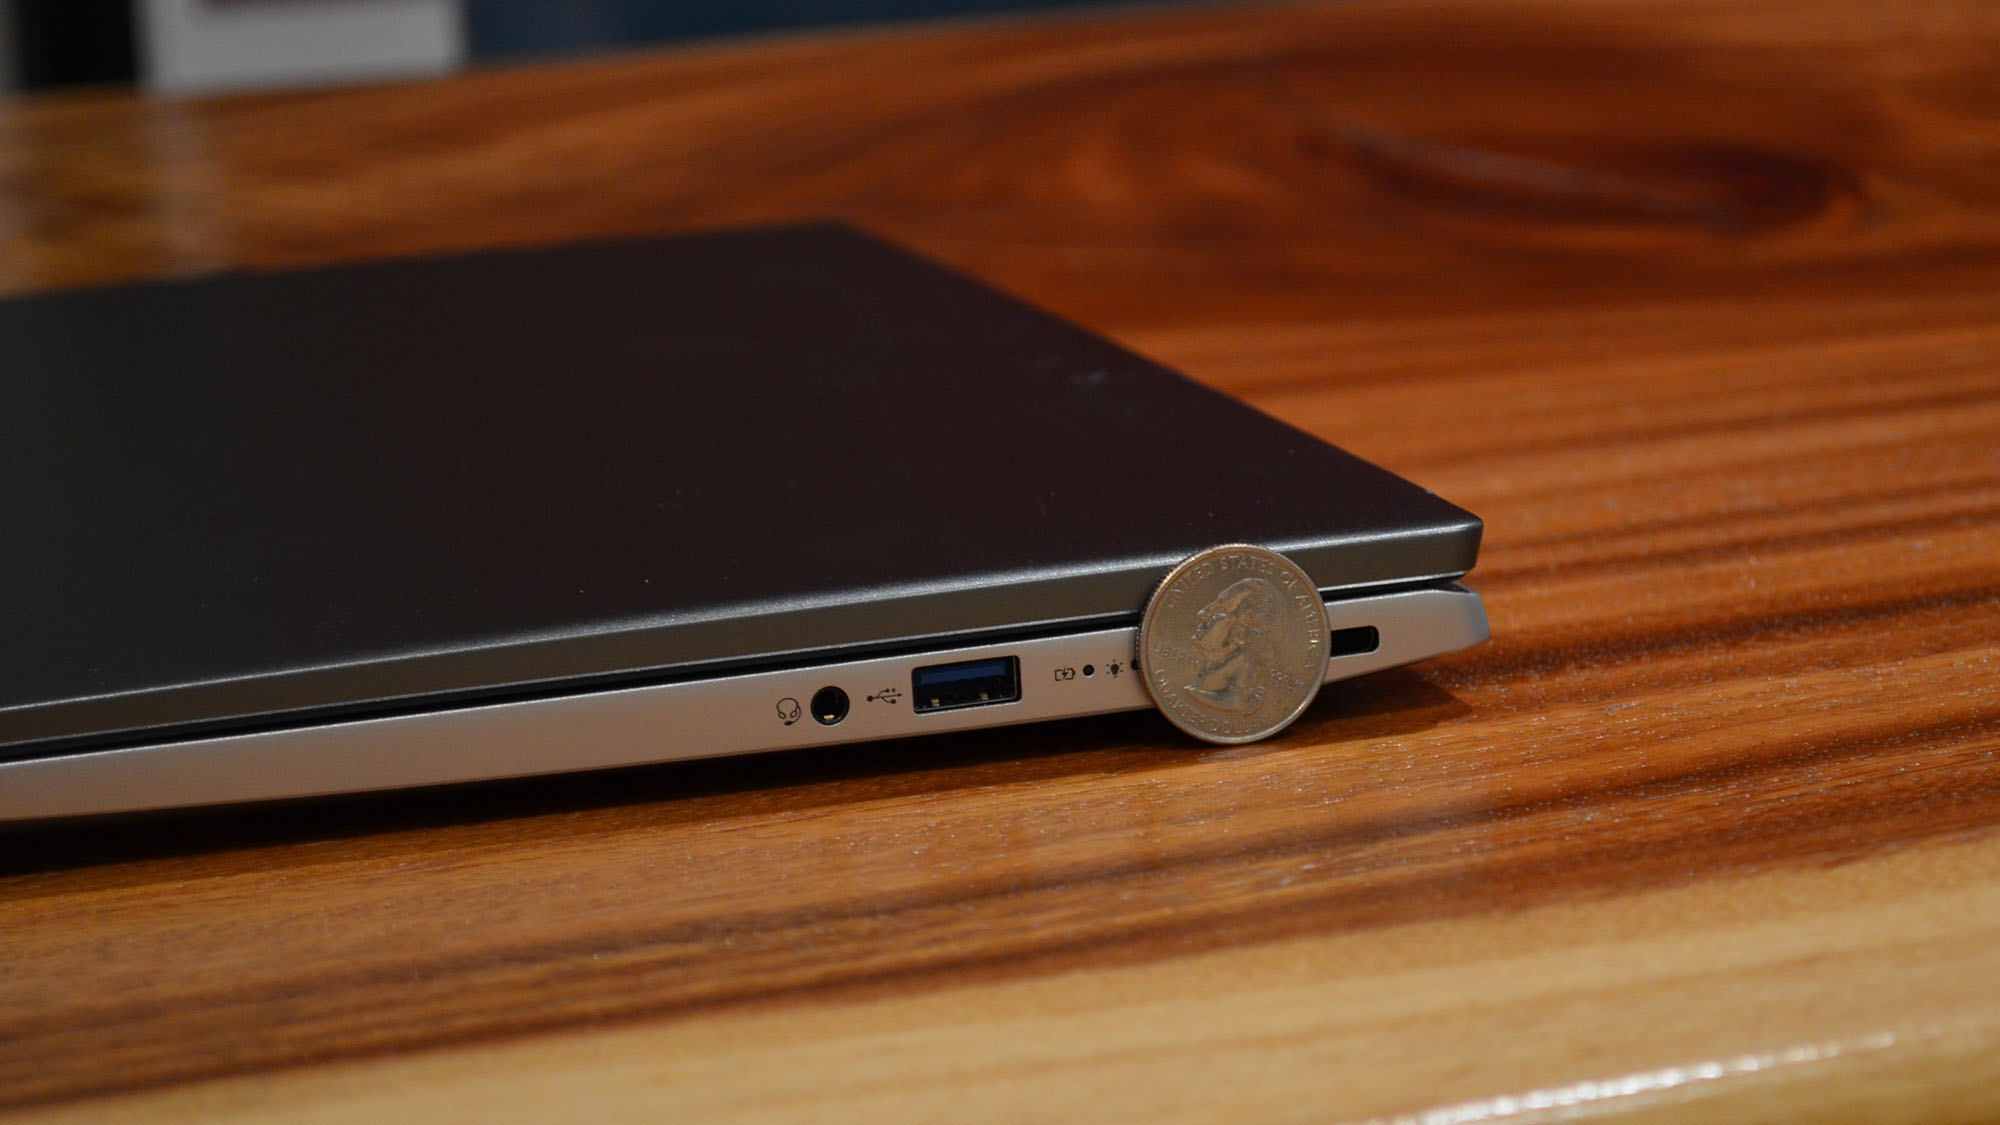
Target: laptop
{"x": 418, "y": 522}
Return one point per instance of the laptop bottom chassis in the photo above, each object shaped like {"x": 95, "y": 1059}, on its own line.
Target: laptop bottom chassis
{"x": 947, "y": 689}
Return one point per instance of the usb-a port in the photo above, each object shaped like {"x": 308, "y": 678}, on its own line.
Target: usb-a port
{"x": 968, "y": 683}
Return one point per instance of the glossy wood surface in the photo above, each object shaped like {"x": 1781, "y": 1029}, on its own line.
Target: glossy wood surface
{"x": 1698, "y": 304}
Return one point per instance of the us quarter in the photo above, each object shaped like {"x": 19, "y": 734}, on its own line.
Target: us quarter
{"x": 1233, "y": 643}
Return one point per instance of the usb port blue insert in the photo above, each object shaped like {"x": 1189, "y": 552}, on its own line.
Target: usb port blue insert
{"x": 968, "y": 683}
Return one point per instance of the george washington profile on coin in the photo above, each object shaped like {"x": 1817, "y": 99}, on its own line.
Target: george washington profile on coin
{"x": 1233, "y": 643}
{"x": 1236, "y": 636}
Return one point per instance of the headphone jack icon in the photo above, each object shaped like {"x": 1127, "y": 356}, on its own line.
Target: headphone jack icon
{"x": 788, "y": 710}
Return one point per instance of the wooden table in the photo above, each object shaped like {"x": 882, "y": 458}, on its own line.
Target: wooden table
{"x": 1697, "y": 303}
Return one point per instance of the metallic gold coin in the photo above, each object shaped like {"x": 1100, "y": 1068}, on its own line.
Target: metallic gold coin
{"x": 1233, "y": 644}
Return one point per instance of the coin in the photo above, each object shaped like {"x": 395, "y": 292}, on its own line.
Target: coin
{"x": 1233, "y": 643}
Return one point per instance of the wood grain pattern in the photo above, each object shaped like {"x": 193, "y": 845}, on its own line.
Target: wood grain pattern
{"x": 1697, "y": 303}
{"x": 1877, "y": 977}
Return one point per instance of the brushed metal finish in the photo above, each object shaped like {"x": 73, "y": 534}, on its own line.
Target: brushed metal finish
{"x": 659, "y": 723}
{"x": 733, "y": 465}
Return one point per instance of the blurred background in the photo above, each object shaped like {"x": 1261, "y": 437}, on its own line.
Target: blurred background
{"x": 199, "y": 46}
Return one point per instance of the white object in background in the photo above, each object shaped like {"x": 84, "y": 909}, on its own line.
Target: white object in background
{"x": 196, "y": 46}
